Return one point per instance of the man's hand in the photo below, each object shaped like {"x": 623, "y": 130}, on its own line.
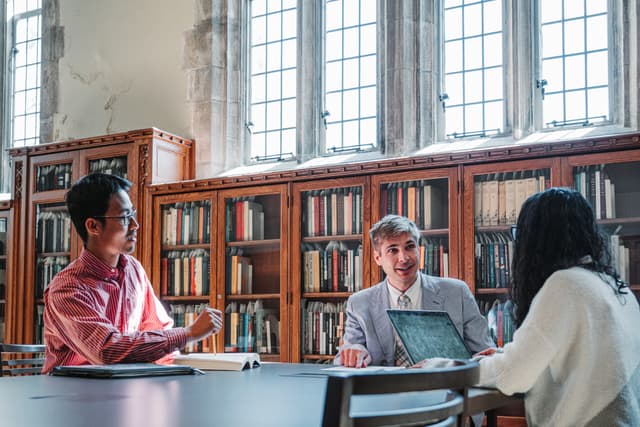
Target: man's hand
{"x": 354, "y": 356}
{"x": 486, "y": 352}
{"x": 208, "y": 322}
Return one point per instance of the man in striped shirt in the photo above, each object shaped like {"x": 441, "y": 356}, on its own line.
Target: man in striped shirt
{"x": 101, "y": 308}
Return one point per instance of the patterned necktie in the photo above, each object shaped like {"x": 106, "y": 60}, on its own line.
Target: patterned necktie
{"x": 400, "y": 355}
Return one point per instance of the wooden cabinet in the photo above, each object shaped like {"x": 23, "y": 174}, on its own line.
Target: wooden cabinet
{"x": 611, "y": 183}
{"x": 42, "y": 176}
{"x": 252, "y": 286}
{"x": 493, "y": 196}
{"x": 5, "y": 241}
{"x": 183, "y": 256}
{"x": 329, "y": 256}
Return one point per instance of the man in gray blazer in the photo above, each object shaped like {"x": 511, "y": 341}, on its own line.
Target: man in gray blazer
{"x": 369, "y": 338}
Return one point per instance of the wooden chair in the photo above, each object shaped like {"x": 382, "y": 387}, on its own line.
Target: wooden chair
{"x": 21, "y": 359}
{"x": 411, "y": 397}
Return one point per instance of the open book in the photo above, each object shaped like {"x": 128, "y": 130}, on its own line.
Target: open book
{"x": 219, "y": 361}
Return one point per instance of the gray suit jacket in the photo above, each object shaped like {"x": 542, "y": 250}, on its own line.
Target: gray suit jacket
{"x": 368, "y": 324}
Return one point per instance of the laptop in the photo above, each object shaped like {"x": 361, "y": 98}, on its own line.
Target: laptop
{"x": 122, "y": 370}
{"x": 426, "y": 334}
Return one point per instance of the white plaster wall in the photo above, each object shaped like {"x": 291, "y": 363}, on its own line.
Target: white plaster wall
{"x": 122, "y": 67}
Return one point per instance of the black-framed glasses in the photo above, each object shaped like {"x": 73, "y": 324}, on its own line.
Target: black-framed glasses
{"x": 514, "y": 231}
{"x": 125, "y": 220}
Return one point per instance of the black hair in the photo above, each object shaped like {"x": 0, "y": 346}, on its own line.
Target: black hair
{"x": 556, "y": 230}
{"x": 89, "y": 198}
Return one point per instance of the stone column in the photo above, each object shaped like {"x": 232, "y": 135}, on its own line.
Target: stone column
{"x": 214, "y": 55}
{"x": 406, "y": 96}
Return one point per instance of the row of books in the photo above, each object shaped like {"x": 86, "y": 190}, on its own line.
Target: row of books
{"x": 113, "y": 166}
{"x": 39, "y": 324}
{"x": 594, "y": 184}
{"x": 53, "y": 177}
{"x": 498, "y": 197}
{"x": 3, "y": 236}
{"x": 184, "y": 315}
{"x": 332, "y": 212}
{"x": 239, "y": 279}
{"x": 620, "y": 257}
{"x": 186, "y": 223}
{"x": 334, "y": 268}
{"x": 423, "y": 202}
{"x": 323, "y": 324}
{"x": 185, "y": 273}
{"x": 46, "y": 268}
{"x": 493, "y": 256}
{"x": 53, "y": 231}
{"x": 434, "y": 257}
{"x": 245, "y": 219}
{"x": 250, "y": 327}
{"x": 499, "y": 316}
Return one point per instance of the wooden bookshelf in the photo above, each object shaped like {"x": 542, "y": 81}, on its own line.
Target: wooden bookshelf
{"x": 43, "y": 235}
{"x": 5, "y": 264}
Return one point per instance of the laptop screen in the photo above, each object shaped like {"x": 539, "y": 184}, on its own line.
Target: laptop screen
{"x": 427, "y": 334}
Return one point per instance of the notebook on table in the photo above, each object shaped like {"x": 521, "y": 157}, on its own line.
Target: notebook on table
{"x": 122, "y": 370}
{"x": 427, "y": 334}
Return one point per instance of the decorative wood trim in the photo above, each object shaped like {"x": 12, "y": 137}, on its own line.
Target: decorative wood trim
{"x": 491, "y": 155}
{"x": 96, "y": 141}
{"x": 18, "y": 169}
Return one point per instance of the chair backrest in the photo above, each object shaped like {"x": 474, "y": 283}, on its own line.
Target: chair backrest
{"x": 21, "y": 359}
{"x": 400, "y": 397}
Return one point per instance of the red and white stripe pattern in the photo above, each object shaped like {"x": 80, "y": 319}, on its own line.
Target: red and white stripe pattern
{"x": 97, "y": 314}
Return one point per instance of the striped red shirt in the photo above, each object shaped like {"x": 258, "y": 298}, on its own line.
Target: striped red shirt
{"x": 97, "y": 314}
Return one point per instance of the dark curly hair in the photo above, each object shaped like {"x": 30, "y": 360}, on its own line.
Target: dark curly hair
{"x": 556, "y": 230}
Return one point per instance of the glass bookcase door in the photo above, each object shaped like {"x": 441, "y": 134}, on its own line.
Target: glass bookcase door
{"x": 430, "y": 199}
{"x": 112, "y": 166}
{"x": 3, "y": 274}
{"x": 612, "y": 186}
{"x": 51, "y": 177}
{"x": 52, "y": 253}
{"x": 184, "y": 268}
{"x": 254, "y": 291}
{"x": 426, "y": 203}
{"x": 331, "y": 259}
{"x": 328, "y": 258}
{"x": 495, "y": 194}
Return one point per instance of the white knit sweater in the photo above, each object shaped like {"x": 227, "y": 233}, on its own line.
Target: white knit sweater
{"x": 576, "y": 355}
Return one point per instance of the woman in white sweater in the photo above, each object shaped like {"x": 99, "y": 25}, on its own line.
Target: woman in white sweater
{"x": 576, "y": 352}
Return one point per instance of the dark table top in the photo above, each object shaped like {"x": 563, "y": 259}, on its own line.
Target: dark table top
{"x": 276, "y": 394}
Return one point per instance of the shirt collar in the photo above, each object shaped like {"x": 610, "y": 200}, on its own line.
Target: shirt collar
{"x": 99, "y": 268}
{"x": 414, "y": 293}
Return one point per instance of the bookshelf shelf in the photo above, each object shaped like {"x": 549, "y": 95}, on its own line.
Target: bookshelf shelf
{"x": 327, "y": 239}
{"x": 318, "y": 357}
{"x": 619, "y": 221}
{"x": 492, "y": 291}
{"x": 3, "y": 257}
{"x": 192, "y": 299}
{"x": 52, "y": 254}
{"x": 250, "y": 297}
{"x": 247, "y": 244}
{"x": 435, "y": 232}
{"x": 270, "y": 357}
{"x": 185, "y": 247}
{"x": 323, "y": 295}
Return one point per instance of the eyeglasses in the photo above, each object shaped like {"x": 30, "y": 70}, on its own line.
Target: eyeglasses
{"x": 125, "y": 220}
{"x": 514, "y": 231}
